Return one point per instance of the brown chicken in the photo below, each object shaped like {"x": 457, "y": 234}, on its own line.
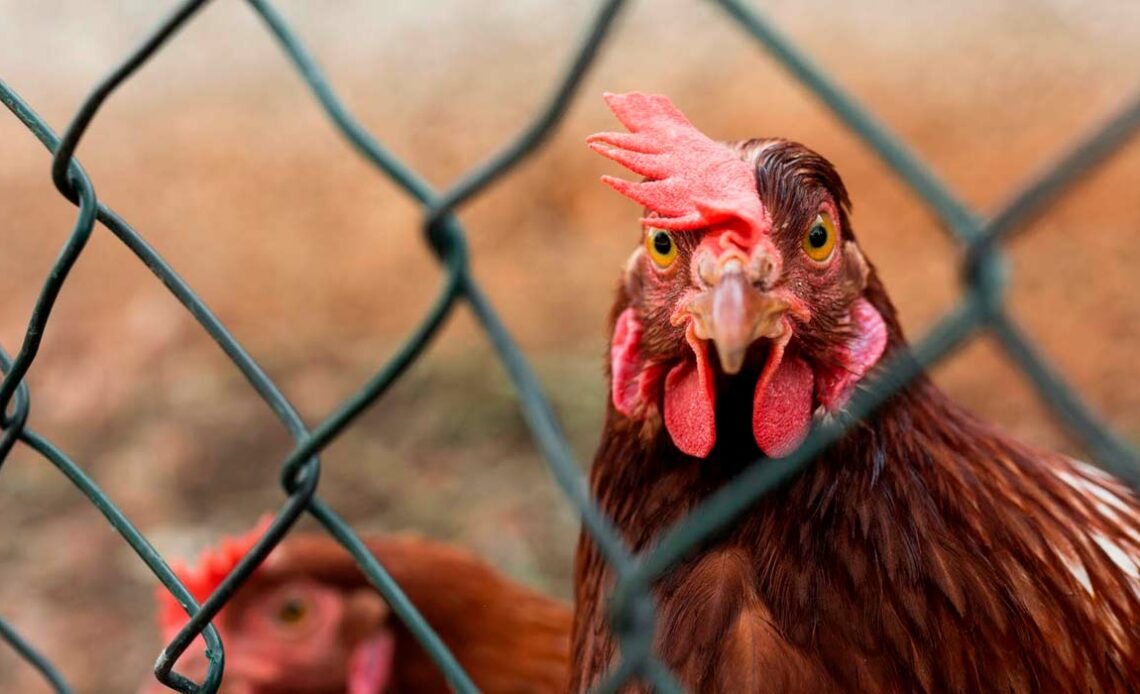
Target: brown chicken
{"x": 307, "y": 621}
{"x": 925, "y": 551}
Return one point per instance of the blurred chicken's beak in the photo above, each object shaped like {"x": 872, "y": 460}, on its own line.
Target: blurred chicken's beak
{"x": 733, "y": 313}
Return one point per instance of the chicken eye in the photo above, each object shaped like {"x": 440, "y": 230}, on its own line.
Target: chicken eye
{"x": 819, "y": 240}
{"x": 662, "y": 249}
{"x": 293, "y": 611}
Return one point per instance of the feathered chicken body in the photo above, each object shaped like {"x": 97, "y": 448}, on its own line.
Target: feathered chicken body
{"x": 308, "y": 622}
{"x": 925, "y": 551}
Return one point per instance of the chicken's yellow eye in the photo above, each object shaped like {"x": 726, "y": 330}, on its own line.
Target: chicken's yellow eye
{"x": 662, "y": 249}
{"x": 293, "y": 611}
{"x": 819, "y": 241}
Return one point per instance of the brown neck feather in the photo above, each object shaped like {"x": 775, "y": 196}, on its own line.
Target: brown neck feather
{"x": 922, "y": 550}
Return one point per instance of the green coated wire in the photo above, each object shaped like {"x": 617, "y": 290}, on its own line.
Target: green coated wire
{"x": 68, "y": 256}
{"x": 63, "y": 154}
{"x": 730, "y": 501}
{"x": 887, "y": 146}
{"x": 142, "y": 548}
{"x": 1091, "y": 150}
{"x": 535, "y": 406}
{"x": 33, "y": 658}
{"x": 296, "y": 504}
{"x": 1106, "y": 448}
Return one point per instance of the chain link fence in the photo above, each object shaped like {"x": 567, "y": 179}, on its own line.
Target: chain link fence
{"x": 981, "y": 309}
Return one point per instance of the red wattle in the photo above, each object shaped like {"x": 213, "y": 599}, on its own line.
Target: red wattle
{"x": 782, "y": 406}
{"x": 690, "y": 403}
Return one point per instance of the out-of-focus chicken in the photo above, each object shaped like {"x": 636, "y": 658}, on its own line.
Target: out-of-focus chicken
{"x": 925, "y": 551}
{"x": 308, "y": 622}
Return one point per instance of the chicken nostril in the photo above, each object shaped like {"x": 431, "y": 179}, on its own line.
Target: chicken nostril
{"x": 707, "y": 270}
{"x": 763, "y": 270}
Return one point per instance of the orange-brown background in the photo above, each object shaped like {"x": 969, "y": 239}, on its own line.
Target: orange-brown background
{"x": 219, "y": 156}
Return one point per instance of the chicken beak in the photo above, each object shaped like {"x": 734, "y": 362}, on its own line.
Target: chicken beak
{"x": 734, "y": 313}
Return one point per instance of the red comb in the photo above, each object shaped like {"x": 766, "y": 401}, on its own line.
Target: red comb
{"x": 694, "y": 181}
{"x": 201, "y": 580}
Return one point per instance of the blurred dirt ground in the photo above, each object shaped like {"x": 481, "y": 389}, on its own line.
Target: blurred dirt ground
{"x": 220, "y": 158}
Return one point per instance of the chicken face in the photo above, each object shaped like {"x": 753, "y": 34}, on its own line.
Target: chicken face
{"x": 285, "y": 632}
{"x": 299, "y": 637}
{"x": 304, "y": 636}
{"x": 746, "y": 272}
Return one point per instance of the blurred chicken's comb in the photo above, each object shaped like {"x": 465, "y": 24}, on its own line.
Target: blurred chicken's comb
{"x": 214, "y": 564}
{"x": 693, "y": 182}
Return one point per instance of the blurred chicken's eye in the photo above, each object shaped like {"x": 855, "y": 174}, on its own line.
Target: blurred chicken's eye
{"x": 661, "y": 247}
{"x": 293, "y": 611}
{"x": 819, "y": 241}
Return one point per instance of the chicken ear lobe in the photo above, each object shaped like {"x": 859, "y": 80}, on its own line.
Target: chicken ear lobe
{"x": 782, "y": 405}
{"x": 690, "y": 402}
{"x": 371, "y": 663}
{"x": 864, "y": 349}
{"x": 627, "y": 366}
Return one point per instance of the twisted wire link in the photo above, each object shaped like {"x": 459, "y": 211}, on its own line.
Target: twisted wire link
{"x": 632, "y": 610}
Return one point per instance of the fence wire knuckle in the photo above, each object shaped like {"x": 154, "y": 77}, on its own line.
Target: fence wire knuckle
{"x": 632, "y": 610}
